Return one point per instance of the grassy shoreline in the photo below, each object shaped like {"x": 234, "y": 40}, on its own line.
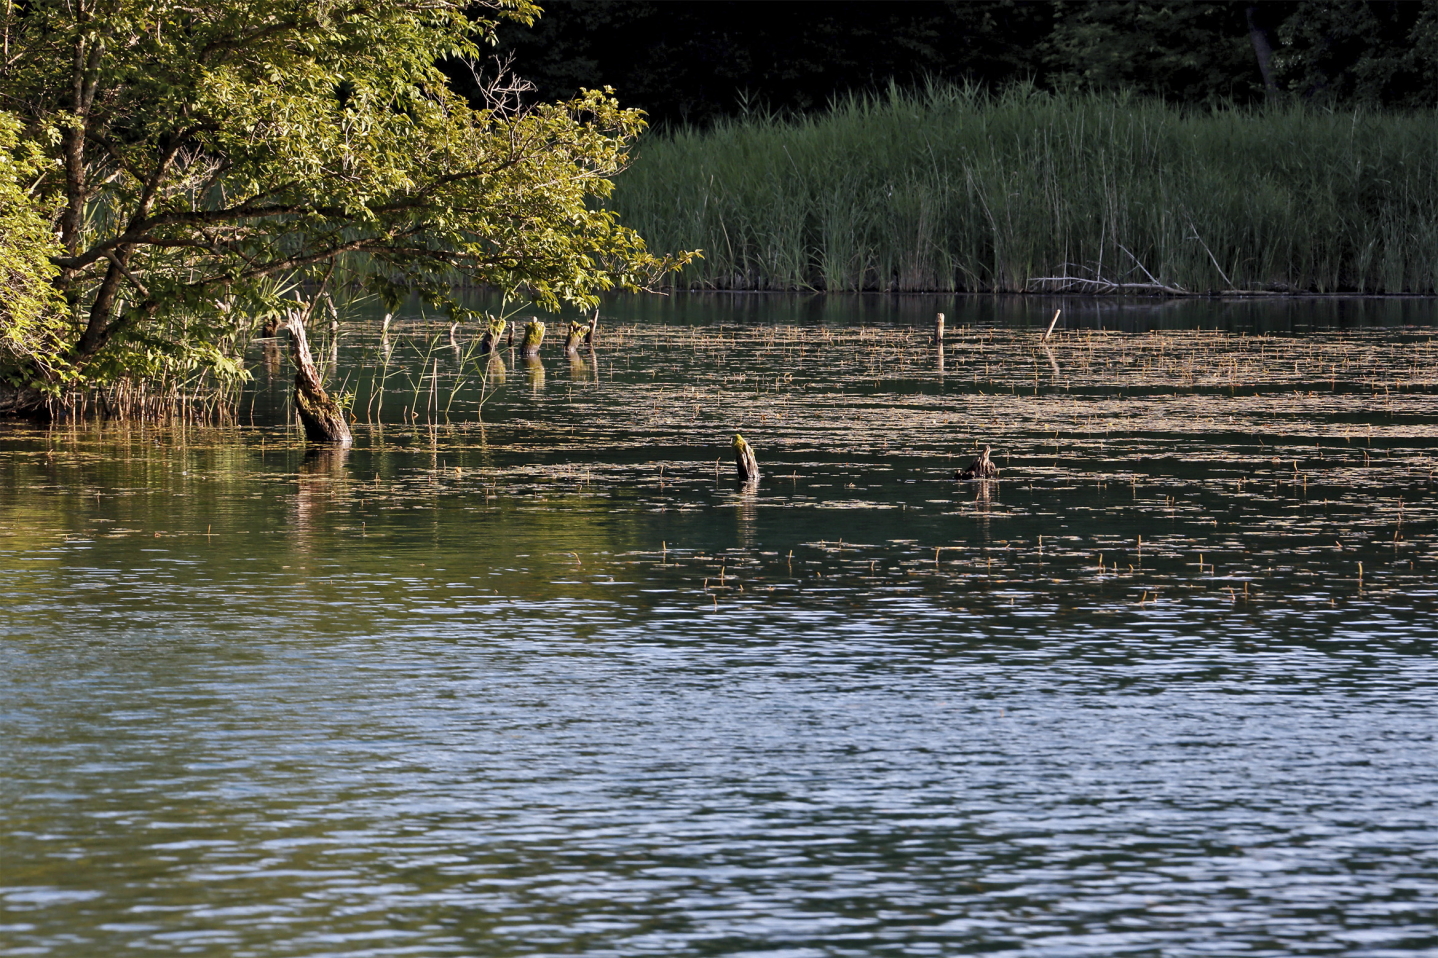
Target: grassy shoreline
{"x": 951, "y": 190}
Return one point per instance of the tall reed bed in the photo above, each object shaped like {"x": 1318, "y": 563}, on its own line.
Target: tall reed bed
{"x": 948, "y": 188}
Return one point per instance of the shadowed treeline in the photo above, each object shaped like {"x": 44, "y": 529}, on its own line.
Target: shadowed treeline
{"x": 695, "y": 62}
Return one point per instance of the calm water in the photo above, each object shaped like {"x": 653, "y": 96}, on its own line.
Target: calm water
{"x": 531, "y": 676}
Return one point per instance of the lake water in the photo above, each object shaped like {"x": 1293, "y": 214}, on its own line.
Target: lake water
{"x": 525, "y": 673}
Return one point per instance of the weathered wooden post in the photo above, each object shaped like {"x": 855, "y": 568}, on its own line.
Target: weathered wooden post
{"x": 745, "y": 463}
{"x": 939, "y": 328}
{"x": 591, "y": 337}
{"x": 321, "y": 416}
{"x": 533, "y": 337}
{"x": 980, "y": 468}
{"x": 1052, "y": 323}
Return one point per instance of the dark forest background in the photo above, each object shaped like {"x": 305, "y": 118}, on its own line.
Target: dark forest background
{"x": 693, "y": 61}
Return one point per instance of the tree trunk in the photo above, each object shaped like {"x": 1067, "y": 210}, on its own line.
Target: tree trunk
{"x": 745, "y": 463}
{"x": 321, "y": 416}
{"x": 1262, "y": 49}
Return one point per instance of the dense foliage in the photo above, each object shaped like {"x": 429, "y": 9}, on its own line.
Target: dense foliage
{"x": 29, "y": 307}
{"x": 205, "y": 159}
{"x": 704, "y": 59}
{"x": 954, "y": 189}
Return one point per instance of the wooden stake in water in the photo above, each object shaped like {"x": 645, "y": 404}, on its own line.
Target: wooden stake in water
{"x": 1052, "y": 323}
{"x": 939, "y": 328}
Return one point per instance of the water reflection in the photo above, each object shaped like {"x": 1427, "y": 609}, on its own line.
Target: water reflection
{"x": 496, "y": 373}
{"x": 534, "y": 373}
{"x": 584, "y": 367}
{"x": 321, "y": 483}
{"x": 552, "y": 683}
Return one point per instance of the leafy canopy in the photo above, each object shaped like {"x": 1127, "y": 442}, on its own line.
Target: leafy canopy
{"x": 29, "y": 308}
{"x": 205, "y": 156}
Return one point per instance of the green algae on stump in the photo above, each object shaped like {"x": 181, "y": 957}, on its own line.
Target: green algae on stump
{"x": 489, "y": 342}
{"x": 577, "y": 331}
{"x": 533, "y": 337}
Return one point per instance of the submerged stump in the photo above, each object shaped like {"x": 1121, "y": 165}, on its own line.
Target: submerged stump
{"x": 489, "y": 342}
{"x": 981, "y": 468}
{"x": 576, "y": 335}
{"x": 745, "y": 464}
{"x": 533, "y": 338}
{"x": 321, "y": 416}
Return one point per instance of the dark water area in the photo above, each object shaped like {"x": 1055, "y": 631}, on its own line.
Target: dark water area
{"x": 526, "y": 673}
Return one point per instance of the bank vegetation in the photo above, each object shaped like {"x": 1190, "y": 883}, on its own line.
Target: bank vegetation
{"x": 947, "y": 188}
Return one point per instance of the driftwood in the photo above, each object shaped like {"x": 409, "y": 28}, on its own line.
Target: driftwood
{"x": 745, "y": 464}
{"x": 321, "y": 416}
{"x": 981, "y": 468}
{"x": 1080, "y": 284}
{"x": 533, "y": 337}
{"x": 593, "y": 334}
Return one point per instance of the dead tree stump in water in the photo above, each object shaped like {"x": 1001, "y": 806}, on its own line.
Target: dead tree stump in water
{"x": 576, "y": 334}
{"x": 980, "y": 468}
{"x": 533, "y": 337}
{"x": 593, "y": 332}
{"x": 745, "y": 464}
{"x": 489, "y": 342}
{"x": 321, "y": 416}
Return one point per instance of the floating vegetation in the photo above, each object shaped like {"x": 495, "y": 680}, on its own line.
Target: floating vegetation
{"x": 1170, "y": 476}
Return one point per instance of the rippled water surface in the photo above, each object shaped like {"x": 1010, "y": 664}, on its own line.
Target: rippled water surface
{"x": 525, "y": 673}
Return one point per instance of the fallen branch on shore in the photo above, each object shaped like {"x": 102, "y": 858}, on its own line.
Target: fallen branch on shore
{"x": 1079, "y": 284}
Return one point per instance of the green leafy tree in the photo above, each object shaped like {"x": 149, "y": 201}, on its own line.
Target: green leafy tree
{"x": 1182, "y": 51}
{"x": 206, "y": 155}
{"x": 1370, "y": 53}
{"x": 30, "y": 318}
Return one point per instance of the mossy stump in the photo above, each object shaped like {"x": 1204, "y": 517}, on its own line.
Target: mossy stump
{"x": 533, "y": 338}
{"x": 745, "y": 463}
{"x": 981, "y": 468}
{"x": 490, "y": 340}
{"x": 576, "y": 335}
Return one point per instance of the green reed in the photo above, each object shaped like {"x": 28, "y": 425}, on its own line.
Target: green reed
{"x": 949, "y": 188}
